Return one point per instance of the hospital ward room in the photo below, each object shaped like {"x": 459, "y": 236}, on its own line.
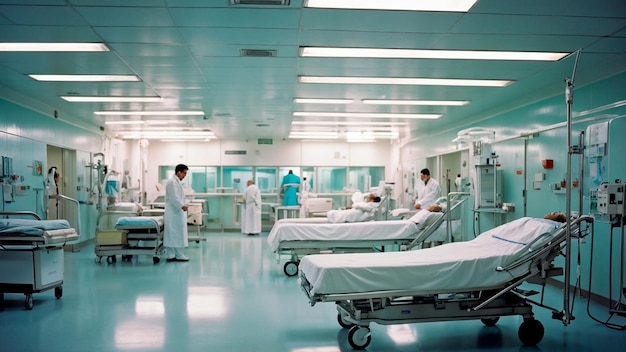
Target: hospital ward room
{"x": 312, "y": 175}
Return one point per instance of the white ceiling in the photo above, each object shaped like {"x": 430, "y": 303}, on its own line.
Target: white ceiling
{"x": 189, "y": 53}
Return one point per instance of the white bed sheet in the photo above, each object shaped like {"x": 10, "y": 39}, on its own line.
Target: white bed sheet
{"x": 314, "y": 220}
{"x": 452, "y": 267}
{"x": 138, "y": 222}
{"x": 359, "y": 231}
{"x": 30, "y": 226}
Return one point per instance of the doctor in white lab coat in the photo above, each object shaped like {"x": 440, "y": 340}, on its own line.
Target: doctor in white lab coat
{"x": 429, "y": 193}
{"x": 175, "y": 218}
{"x": 251, "y": 222}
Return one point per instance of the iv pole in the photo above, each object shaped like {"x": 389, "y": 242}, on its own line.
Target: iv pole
{"x": 569, "y": 100}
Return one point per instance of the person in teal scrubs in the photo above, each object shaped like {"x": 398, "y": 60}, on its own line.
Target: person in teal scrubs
{"x": 290, "y": 185}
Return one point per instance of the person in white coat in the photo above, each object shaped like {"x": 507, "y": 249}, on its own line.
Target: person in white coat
{"x": 175, "y": 217}
{"x": 252, "y": 210}
{"x": 429, "y": 193}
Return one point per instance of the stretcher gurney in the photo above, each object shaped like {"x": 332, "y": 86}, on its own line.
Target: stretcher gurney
{"x": 143, "y": 236}
{"x": 477, "y": 279}
{"x": 300, "y": 239}
{"x": 31, "y": 254}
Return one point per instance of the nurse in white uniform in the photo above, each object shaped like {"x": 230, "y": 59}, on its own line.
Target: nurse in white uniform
{"x": 252, "y": 214}
{"x": 175, "y": 218}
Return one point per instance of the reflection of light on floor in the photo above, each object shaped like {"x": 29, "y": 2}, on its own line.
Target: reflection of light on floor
{"x": 402, "y": 334}
{"x": 140, "y": 334}
{"x": 317, "y": 349}
{"x": 206, "y": 302}
{"x": 149, "y": 307}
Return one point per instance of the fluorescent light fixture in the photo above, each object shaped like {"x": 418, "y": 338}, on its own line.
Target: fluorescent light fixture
{"x": 430, "y": 54}
{"x": 313, "y": 135}
{"x": 138, "y": 122}
{"x": 85, "y": 78}
{"x": 165, "y": 135}
{"x": 402, "y": 5}
{"x": 151, "y": 113}
{"x": 53, "y": 47}
{"x": 415, "y": 102}
{"x": 347, "y": 123}
{"x": 94, "y": 99}
{"x": 322, "y": 101}
{"x": 406, "y": 81}
{"x": 367, "y": 115}
{"x": 169, "y": 129}
{"x": 186, "y": 140}
{"x": 164, "y": 122}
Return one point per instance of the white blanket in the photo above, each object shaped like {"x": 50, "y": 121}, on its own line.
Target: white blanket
{"x": 31, "y": 227}
{"x": 363, "y": 211}
{"x": 448, "y": 268}
{"x": 358, "y": 231}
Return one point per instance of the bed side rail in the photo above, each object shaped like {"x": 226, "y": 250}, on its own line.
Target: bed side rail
{"x": 427, "y": 230}
{"x": 555, "y": 242}
{"x": 8, "y": 214}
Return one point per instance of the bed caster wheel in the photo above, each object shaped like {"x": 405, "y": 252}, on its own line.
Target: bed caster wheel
{"x": 344, "y": 323}
{"x": 291, "y": 268}
{"x": 28, "y": 302}
{"x": 127, "y": 257}
{"x": 111, "y": 259}
{"x": 359, "y": 337}
{"x": 98, "y": 259}
{"x": 156, "y": 260}
{"x": 530, "y": 332}
{"x": 490, "y": 321}
{"x": 58, "y": 292}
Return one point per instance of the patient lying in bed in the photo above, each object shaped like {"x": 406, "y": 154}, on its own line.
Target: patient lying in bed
{"x": 359, "y": 211}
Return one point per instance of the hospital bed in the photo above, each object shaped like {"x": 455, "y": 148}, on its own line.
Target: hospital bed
{"x": 477, "y": 279}
{"x": 317, "y": 209}
{"x": 300, "y": 239}
{"x": 142, "y": 235}
{"x": 31, "y": 254}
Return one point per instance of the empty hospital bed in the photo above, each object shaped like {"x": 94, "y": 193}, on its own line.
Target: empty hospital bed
{"x": 31, "y": 254}
{"x": 477, "y": 279}
{"x": 142, "y": 235}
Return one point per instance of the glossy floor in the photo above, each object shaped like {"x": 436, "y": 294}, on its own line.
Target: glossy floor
{"x": 233, "y": 296}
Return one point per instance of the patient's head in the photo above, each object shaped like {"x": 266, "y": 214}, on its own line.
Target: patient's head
{"x": 434, "y": 208}
{"x": 373, "y": 198}
{"x": 556, "y": 216}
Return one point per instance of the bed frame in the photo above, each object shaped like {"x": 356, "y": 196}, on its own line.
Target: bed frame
{"x": 32, "y": 263}
{"x": 357, "y": 310}
{"x": 299, "y": 248}
{"x": 144, "y": 239}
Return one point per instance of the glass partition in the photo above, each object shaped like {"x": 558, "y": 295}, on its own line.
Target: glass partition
{"x": 309, "y": 173}
{"x": 222, "y": 187}
{"x": 266, "y": 179}
{"x": 235, "y": 177}
{"x": 331, "y": 179}
{"x": 364, "y": 178}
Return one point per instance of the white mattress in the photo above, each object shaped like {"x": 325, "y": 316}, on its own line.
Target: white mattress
{"x": 448, "y": 268}
{"x": 359, "y": 231}
{"x": 31, "y": 227}
{"x": 139, "y": 222}
{"x": 314, "y": 220}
